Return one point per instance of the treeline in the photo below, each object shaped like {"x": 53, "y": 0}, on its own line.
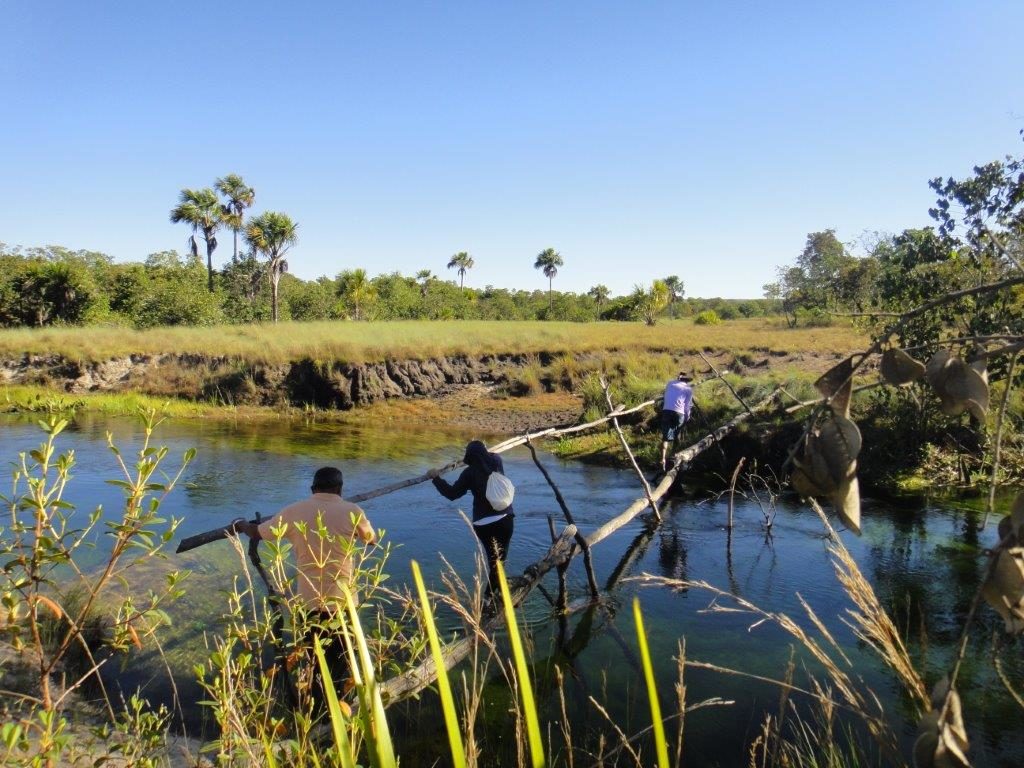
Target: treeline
{"x": 978, "y": 238}
{"x": 58, "y": 286}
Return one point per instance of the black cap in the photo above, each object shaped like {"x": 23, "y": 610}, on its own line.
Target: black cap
{"x": 684, "y": 376}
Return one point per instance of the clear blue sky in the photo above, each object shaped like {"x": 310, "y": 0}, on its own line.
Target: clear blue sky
{"x": 702, "y": 139}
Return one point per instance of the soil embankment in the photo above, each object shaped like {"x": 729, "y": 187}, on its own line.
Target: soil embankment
{"x": 485, "y": 392}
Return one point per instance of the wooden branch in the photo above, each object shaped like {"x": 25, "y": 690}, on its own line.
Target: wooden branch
{"x": 732, "y": 488}
{"x": 680, "y": 462}
{"x": 723, "y": 380}
{"x": 588, "y": 563}
{"x": 629, "y": 453}
{"x": 806, "y": 403}
{"x": 501, "y": 447}
{"x": 997, "y": 454}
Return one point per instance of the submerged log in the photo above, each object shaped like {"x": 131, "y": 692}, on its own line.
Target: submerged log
{"x": 418, "y": 678}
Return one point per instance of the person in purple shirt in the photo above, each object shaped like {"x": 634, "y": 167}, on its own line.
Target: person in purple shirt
{"x": 675, "y": 411}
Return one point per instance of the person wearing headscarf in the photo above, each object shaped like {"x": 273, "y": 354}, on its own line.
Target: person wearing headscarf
{"x": 493, "y": 528}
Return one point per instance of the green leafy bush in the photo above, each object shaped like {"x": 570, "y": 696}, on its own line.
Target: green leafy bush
{"x": 707, "y": 317}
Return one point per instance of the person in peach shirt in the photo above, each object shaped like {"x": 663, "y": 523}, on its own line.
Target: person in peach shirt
{"x": 324, "y": 531}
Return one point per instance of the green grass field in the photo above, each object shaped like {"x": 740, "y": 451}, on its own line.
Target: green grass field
{"x": 375, "y": 341}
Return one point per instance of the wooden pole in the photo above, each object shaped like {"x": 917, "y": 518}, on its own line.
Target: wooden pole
{"x": 568, "y": 518}
{"x": 629, "y": 453}
{"x": 732, "y": 488}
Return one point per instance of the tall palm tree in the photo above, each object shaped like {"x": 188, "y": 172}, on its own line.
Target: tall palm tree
{"x": 272, "y": 234}
{"x": 356, "y": 289}
{"x": 239, "y": 197}
{"x": 201, "y": 210}
{"x": 462, "y": 261}
{"x": 548, "y": 260}
{"x": 599, "y": 293}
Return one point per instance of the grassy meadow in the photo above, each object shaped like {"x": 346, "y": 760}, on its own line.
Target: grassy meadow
{"x": 358, "y": 342}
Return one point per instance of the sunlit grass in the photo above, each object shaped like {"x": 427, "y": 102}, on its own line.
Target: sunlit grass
{"x": 377, "y": 341}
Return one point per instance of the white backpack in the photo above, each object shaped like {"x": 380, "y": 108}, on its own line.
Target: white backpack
{"x": 500, "y": 492}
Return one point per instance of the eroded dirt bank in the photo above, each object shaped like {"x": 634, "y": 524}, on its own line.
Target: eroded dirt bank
{"x": 478, "y": 391}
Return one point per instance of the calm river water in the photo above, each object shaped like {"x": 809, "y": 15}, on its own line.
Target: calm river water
{"x": 921, "y": 559}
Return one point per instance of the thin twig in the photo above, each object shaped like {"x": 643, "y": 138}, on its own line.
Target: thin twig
{"x": 629, "y": 453}
{"x": 724, "y": 381}
{"x": 588, "y": 563}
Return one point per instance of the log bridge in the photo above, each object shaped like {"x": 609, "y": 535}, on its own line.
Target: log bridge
{"x": 564, "y": 546}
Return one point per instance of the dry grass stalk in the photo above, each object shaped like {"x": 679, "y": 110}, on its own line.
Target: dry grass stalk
{"x": 870, "y": 622}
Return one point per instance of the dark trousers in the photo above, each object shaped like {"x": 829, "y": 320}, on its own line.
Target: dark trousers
{"x": 323, "y": 625}
{"x": 495, "y": 538}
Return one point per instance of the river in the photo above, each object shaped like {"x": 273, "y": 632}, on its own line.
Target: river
{"x": 921, "y": 558}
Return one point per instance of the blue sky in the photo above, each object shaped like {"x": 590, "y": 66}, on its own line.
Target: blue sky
{"x": 638, "y": 139}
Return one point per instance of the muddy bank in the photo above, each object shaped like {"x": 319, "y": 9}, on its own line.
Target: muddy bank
{"x": 323, "y": 384}
{"x": 328, "y": 385}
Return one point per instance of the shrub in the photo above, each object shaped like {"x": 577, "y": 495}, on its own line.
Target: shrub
{"x": 707, "y": 317}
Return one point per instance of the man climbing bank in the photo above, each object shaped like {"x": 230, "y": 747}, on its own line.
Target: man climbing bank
{"x": 675, "y": 412}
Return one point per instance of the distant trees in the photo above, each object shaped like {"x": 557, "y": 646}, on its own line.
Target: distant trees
{"x": 53, "y": 285}
{"x": 202, "y": 211}
{"x": 424, "y": 277}
{"x": 548, "y": 260}
{"x": 355, "y": 288}
{"x": 461, "y": 261}
{"x": 675, "y": 288}
{"x": 238, "y": 197}
{"x": 600, "y": 294}
{"x": 272, "y": 234}
{"x": 649, "y": 303}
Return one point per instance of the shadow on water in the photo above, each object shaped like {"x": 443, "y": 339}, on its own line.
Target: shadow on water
{"x": 924, "y": 562}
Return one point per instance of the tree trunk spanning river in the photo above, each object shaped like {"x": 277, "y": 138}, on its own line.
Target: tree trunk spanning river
{"x": 921, "y": 559}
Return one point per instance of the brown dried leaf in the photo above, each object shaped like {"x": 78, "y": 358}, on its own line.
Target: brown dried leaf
{"x": 898, "y": 368}
{"x": 846, "y": 500}
{"x": 1004, "y": 589}
{"x": 960, "y": 387}
{"x": 839, "y": 443}
{"x": 942, "y": 741}
{"x": 829, "y": 458}
{"x": 837, "y": 384}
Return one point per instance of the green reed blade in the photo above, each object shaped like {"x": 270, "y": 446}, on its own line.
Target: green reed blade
{"x": 451, "y": 717}
{"x": 661, "y": 745}
{"x": 529, "y": 705}
{"x": 338, "y": 720}
{"x": 382, "y": 751}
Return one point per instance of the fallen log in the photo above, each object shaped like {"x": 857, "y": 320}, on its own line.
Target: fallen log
{"x": 415, "y": 680}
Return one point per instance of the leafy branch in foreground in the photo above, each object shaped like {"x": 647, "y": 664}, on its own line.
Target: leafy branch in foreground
{"x": 51, "y": 605}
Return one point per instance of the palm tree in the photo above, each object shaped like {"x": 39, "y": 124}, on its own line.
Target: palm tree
{"x": 424, "y": 278}
{"x": 549, "y": 260}
{"x": 675, "y": 288}
{"x": 201, "y": 210}
{"x": 462, "y": 261}
{"x": 356, "y": 289}
{"x": 239, "y": 197}
{"x": 599, "y": 293}
{"x": 272, "y": 234}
